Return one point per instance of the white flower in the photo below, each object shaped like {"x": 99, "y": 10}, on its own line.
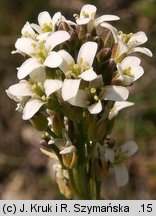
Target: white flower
{"x": 117, "y": 158}
{"x": 91, "y": 97}
{"x": 129, "y": 43}
{"x": 47, "y": 24}
{"x": 119, "y": 105}
{"x": 36, "y": 91}
{"x": 129, "y": 70}
{"x": 40, "y": 52}
{"x": 87, "y": 16}
{"x": 28, "y": 32}
{"x": 75, "y": 71}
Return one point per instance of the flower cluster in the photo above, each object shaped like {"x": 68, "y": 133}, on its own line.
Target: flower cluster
{"x": 72, "y": 85}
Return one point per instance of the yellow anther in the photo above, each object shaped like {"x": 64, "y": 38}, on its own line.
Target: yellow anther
{"x": 75, "y": 67}
{"x": 96, "y": 97}
{"x": 34, "y": 45}
{"x": 47, "y": 27}
{"x": 85, "y": 15}
{"x": 34, "y": 86}
{"x": 93, "y": 90}
{"x": 76, "y": 16}
{"x": 43, "y": 98}
{"x": 40, "y": 85}
{"x": 130, "y": 34}
{"x": 127, "y": 72}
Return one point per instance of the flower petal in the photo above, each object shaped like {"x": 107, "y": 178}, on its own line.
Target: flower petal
{"x": 87, "y": 53}
{"x": 105, "y": 18}
{"x": 82, "y": 21}
{"x": 37, "y": 28}
{"x": 15, "y": 98}
{"x": 129, "y": 148}
{"x": 137, "y": 39}
{"x": 25, "y": 45}
{"x": 88, "y": 75}
{"x": 115, "y": 93}
{"x": 88, "y": 9}
{"x": 57, "y": 16}
{"x": 44, "y": 18}
{"x": 52, "y": 86}
{"x": 67, "y": 60}
{"x": 80, "y": 99}
{"x": 109, "y": 155}
{"x": 143, "y": 50}
{"x": 56, "y": 38}
{"x": 69, "y": 149}
{"x": 70, "y": 88}
{"x": 119, "y": 105}
{"x": 43, "y": 36}
{"x": 20, "y": 89}
{"x": 137, "y": 72}
{"x": 31, "y": 108}
{"x": 95, "y": 108}
{"x": 130, "y": 61}
{"x": 111, "y": 28}
{"x": 121, "y": 174}
{"x": 53, "y": 60}
{"x": 38, "y": 75}
{"x": 27, "y": 67}
{"x": 27, "y": 29}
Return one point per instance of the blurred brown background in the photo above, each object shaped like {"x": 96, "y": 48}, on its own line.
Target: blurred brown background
{"x": 24, "y": 172}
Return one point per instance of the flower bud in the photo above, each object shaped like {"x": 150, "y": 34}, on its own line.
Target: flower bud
{"x": 39, "y": 122}
{"x": 82, "y": 30}
{"x": 73, "y": 35}
{"x": 65, "y": 188}
{"x": 106, "y": 38}
{"x": 69, "y": 156}
{"x": 104, "y": 54}
{"x": 63, "y": 26}
{"x": 57, "y": 123}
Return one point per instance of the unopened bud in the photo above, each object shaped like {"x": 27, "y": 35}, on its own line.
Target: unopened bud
{"x": 69, "y": 156}
{"x": 104, "y": 54}
{"x": 57, "y": 124}
{"x": 82, "y": 30}
{"x": 63, "y": 26}
{"x": 65, "y": 188}
{"x": 73, "y": 35}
